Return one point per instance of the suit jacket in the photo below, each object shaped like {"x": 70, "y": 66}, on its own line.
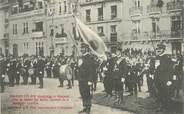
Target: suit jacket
{"x": 85, "y": 71}
{"x": 164, "y": 72}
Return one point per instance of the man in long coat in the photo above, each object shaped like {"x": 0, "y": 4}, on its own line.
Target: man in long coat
{"x": 85, "y": 78}
{"x": 163, "y": 76}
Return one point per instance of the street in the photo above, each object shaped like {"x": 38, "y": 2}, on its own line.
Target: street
{"x": 51, "y": 89}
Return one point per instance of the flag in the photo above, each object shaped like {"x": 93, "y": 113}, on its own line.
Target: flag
{"x": 96, "y": 44}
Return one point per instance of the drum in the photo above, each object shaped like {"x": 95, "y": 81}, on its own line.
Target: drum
{"x": 22, "y": 71}
{"x": 31, "y": 71}
{"x": 65, "y": 72}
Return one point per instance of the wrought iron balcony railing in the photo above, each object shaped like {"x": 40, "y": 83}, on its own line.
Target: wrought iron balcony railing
{"x": 173, "y": 6}
{"x": 59, "y": 35}
{"x": 153, "y": 9}
{"x": 100, "y": 18}
{"x": 163, "y": 34}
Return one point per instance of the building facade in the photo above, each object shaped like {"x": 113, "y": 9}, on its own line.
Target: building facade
{"x": 105, "y": 18}
{"x": 136, "y": 23}
{"x": 155, "y": 21}
{"x": 40, "y": 27}
{"x": 4, "y": 26}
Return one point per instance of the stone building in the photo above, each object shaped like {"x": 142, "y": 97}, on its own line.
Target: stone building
{"x": 39, "y": 27}
{"x": 136, "y": 23}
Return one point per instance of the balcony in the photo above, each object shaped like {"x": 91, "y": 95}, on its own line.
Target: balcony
{"x": 93, "y": 2}
{"x": 61, "y": 40}
{"x": 113, "y": 37}
{"x": 26, "y": 9}
{"x": 28, "y": 12}
{"x": 37, "y": 33}
{"x": 136, "y": 11}
{"x": 153, "y": 9}
{"x": 60, "y": 35}
{"x": 177, "y": 34}
{"x": 175, "y": 6}
{"x": 88, "y": 19}
{"x": 101, "y": 34}
{"x": 161, "y": 35}
{"x": 100, "y": 18}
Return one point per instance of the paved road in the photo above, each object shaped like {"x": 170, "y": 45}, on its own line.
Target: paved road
{"x": 71, "y": 105}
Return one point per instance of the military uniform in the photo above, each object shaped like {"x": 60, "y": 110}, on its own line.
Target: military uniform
{"x": 27, "y": 65}
{"x": 2, "y": 73}
{"x": 12, "y": 72}
{"x": 40, "y": 71}
{"x": 17, "y": 74}
{"x": 49, "y": 68}
{"x": 109, "y": 76}
{"x": 85, "y": 75}
{"x": 163, "y": 78}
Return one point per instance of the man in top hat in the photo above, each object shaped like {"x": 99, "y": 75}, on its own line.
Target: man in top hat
{"x": 163, "y": 76}
{"x": 85, "y": 78}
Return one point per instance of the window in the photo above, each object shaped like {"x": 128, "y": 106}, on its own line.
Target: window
{"x": 176, "y": 26}
{"x": 14, "y": 9}
{"x": 65, "y": 6}
{"x": 39, "y": 26}
{"x": 59, "y": 8}
{"x": 100, "y": 14}
{"x": 137, "y": 3}
{"x": 62, "y": 29}
{"x": 136, "y": 29}
{"x": 113, "y": 34}
{"x": 24, "y": 28}
{"x": 14, "y": 28}
{"x": 88, "y": 15}
{"x": 27, "y": 30}
{"x": 100, "y": 31}
{"x": 40, "y": 5}
{"x": 113, "y": 28}
{"x": 155, "y": 26}
{"x": 113, "y": 12}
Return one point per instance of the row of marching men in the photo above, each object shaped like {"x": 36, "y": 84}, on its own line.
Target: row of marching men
{"x": 32, "y": 67}
{"x": 27, "y": 70}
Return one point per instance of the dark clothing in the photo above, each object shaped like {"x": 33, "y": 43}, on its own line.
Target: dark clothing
{"x": 40, "y": 71}
{"x": 49, "y": 69}
{"x": 85, "y": 74}
{"x": 56, "y": 70}
{"x": 2, "y": 74}
{"x": 27, "y": 65}
{"x": 163, "y": 74}
{"x": 17, "y": 74}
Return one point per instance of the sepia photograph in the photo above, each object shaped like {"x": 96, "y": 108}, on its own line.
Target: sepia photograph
{"x": 91, "y": 56}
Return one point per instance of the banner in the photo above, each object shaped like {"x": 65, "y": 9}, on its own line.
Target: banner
{"x": 96, "y": 44}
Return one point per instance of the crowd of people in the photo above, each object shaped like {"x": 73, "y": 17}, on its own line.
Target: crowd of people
{"x": 122, "y": 71}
